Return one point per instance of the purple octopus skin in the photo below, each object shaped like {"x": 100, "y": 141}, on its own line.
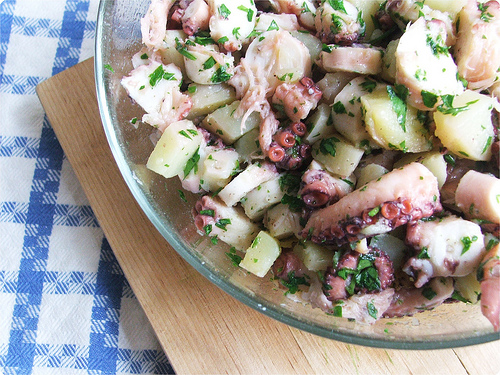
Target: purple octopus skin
{"x": 193, "y": 15}
{"x": 287, "y": 263}
{"x": 403, "y": 195}
{"x": 319, "y": 188}
{"x": 287, "y": 150}
{"x": 408, "y": 301}
{"x": 297, "y": 99}
{"x": 335, "y": 286}
{"x": 489, "y": 276}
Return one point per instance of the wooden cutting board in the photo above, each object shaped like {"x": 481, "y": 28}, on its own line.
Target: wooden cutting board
{"x": 201, "y": 328}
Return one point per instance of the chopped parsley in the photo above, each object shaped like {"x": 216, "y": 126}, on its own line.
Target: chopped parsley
{"x": 209, "y": 63}
{"x": 220, "y": 75}
{"x": 467, "y": 242}
{"x": 144, "y": 56}
{"x": 430, "y": 99}
{"x": 368, "y": 85}
{"x": 222, "y": 223}
{"x": 182, "y": 195}
{"x": 109, "y": 67}
{"x": 429, "y": 293}
{"x": 339, "y": 107}
{"x": 183, "y": 50}
{"x": 224, "y": 11}
{"x": 273, "y": 26}
{"x": 159, "y": 74}
{"x": 208, "y": 212}
{"x": 398, "y": 104}
{"x": 248, "y": 11}
{"x": 424, "y": 254}
{"x": 192, "y": 163}
{"x": 235, "y": 258}
{"x": 328, "y": 146}
{"x": 337, "y": 5}
{"x": 294, "y": 282}
{"x": 372, "y": 310}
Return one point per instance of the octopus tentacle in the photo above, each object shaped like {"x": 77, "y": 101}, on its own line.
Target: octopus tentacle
{"x": 378, "y": 274}
{"x": 401, "y": 196}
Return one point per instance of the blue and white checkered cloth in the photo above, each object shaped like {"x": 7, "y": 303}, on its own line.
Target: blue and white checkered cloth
{"x": 65, "y": 306}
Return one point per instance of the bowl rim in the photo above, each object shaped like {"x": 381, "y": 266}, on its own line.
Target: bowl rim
{"x": 226, "y": 286}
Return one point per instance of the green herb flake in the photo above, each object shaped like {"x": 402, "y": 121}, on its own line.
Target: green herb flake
{"x": 207, "y": 229}
{"x": 109, "y": 67}
{"x": 293, "y": 282}
{"x": 223, "y": 40}
{"x": 256, "y": 242}
{"x": 429, "y": 293}
{"x": 144, "y": 56}
{"x": 337, "y": 311}
{"x": 338, "y": 5}
{"x": 236, "y": 32}
{"x": 424, "y": 254}
{"x": 339, "y": 108}
{"x": 208, "y": 212}
{"x": 466, "y": 243}
{"x": 183, "y": 50}
{"x": 368, "y": 85}
{"x": 192, "y": 163}
{"x": 192, "y": 89}
{"x": 249, "y": 12}
{"x": 184, "y": 134}
{"x": 221, "y": 75}
{"x": 233, "y": 257}
{"x": 430, "y": 99}
{"x": 222, "y": 223}
{"x": 398, "y": 106}
{"x": 209, "y": 63}
{"x": 372, "y": 310}
{"x": 182, "y": 195}
{"x": 273, "y": 26}
{"x": 374, "y": 211}
{"x": 328, "y": 146}
{"x": 224, "y": 11}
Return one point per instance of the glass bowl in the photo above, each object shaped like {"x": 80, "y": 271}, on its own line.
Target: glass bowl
{"x": 118, "y": 38}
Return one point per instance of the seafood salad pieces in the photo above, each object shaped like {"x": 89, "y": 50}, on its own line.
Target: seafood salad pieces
{"x": 347, "y": 148}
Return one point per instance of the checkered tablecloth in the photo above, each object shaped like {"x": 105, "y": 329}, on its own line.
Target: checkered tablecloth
{"x": 65, "y": 305}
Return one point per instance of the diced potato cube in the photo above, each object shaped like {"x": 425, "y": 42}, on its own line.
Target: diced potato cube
{"x": 207, "y": 98}
{"x": 249, "y": 179}
{"x": 468, "y": 287}
{"x": 257, "y": 201}
{"x": 261, "y": 254}
{"x": 332, "y": 83}
{"x": 452, "y": 7}
{"x": 468, "y": 133}
{"x": 178, "y": 143}
{"x": 433, "y": 160}
{"x": 248, "y": 147}
{"x": 319, "y": 124}
{"x": 368, "y": 10}
{"x": 217, "y": 168}
{"x": 369, "y": 173}
{"x": 389, "y": 61}
{"x": 337, "y": 155}
{"x": 314, "y": 256}
{"x": 312, "y": 43}
{"x": 168, "y": 51}
{"x": 393, "y": 124}
{"x": 281, "y": 221}
{"x": 226, "y": 125}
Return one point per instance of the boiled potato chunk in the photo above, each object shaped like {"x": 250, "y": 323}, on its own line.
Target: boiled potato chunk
{"x": 314, "y": 256}
{"x": 468, "y": 133}
{"x": 257, "y": 201}
{"x": 433, "y": 160}
{"x": 468, "y": 287}
{"x": 452, "y": 7}
{"x": 226, "y": 125}
{"x": 248, "y": 147}
{"x": 392, "y": 124}
{"x": 261, "y": 254}
{"x": 281, "y": 222}
{"x": 218, "y": 168}
{"x": 168, "y": 50}
{"x": 369, "y": 173}
{"x": 337, "y": 155}
{"x": 177, "y": 145}
{"x": 207, "y": 98}
{"x": 319, "y": 124}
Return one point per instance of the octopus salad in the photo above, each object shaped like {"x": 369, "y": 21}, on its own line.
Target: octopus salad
{"x": 348, "y": 149}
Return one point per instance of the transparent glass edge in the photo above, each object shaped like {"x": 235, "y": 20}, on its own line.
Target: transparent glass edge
{"x": 224, "y": 285}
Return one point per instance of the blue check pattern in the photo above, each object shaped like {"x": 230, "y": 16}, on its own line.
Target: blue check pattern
{"x": 65, "y": 305}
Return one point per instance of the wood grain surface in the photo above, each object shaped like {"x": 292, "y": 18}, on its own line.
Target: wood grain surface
{"x": 202, "y": 329}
